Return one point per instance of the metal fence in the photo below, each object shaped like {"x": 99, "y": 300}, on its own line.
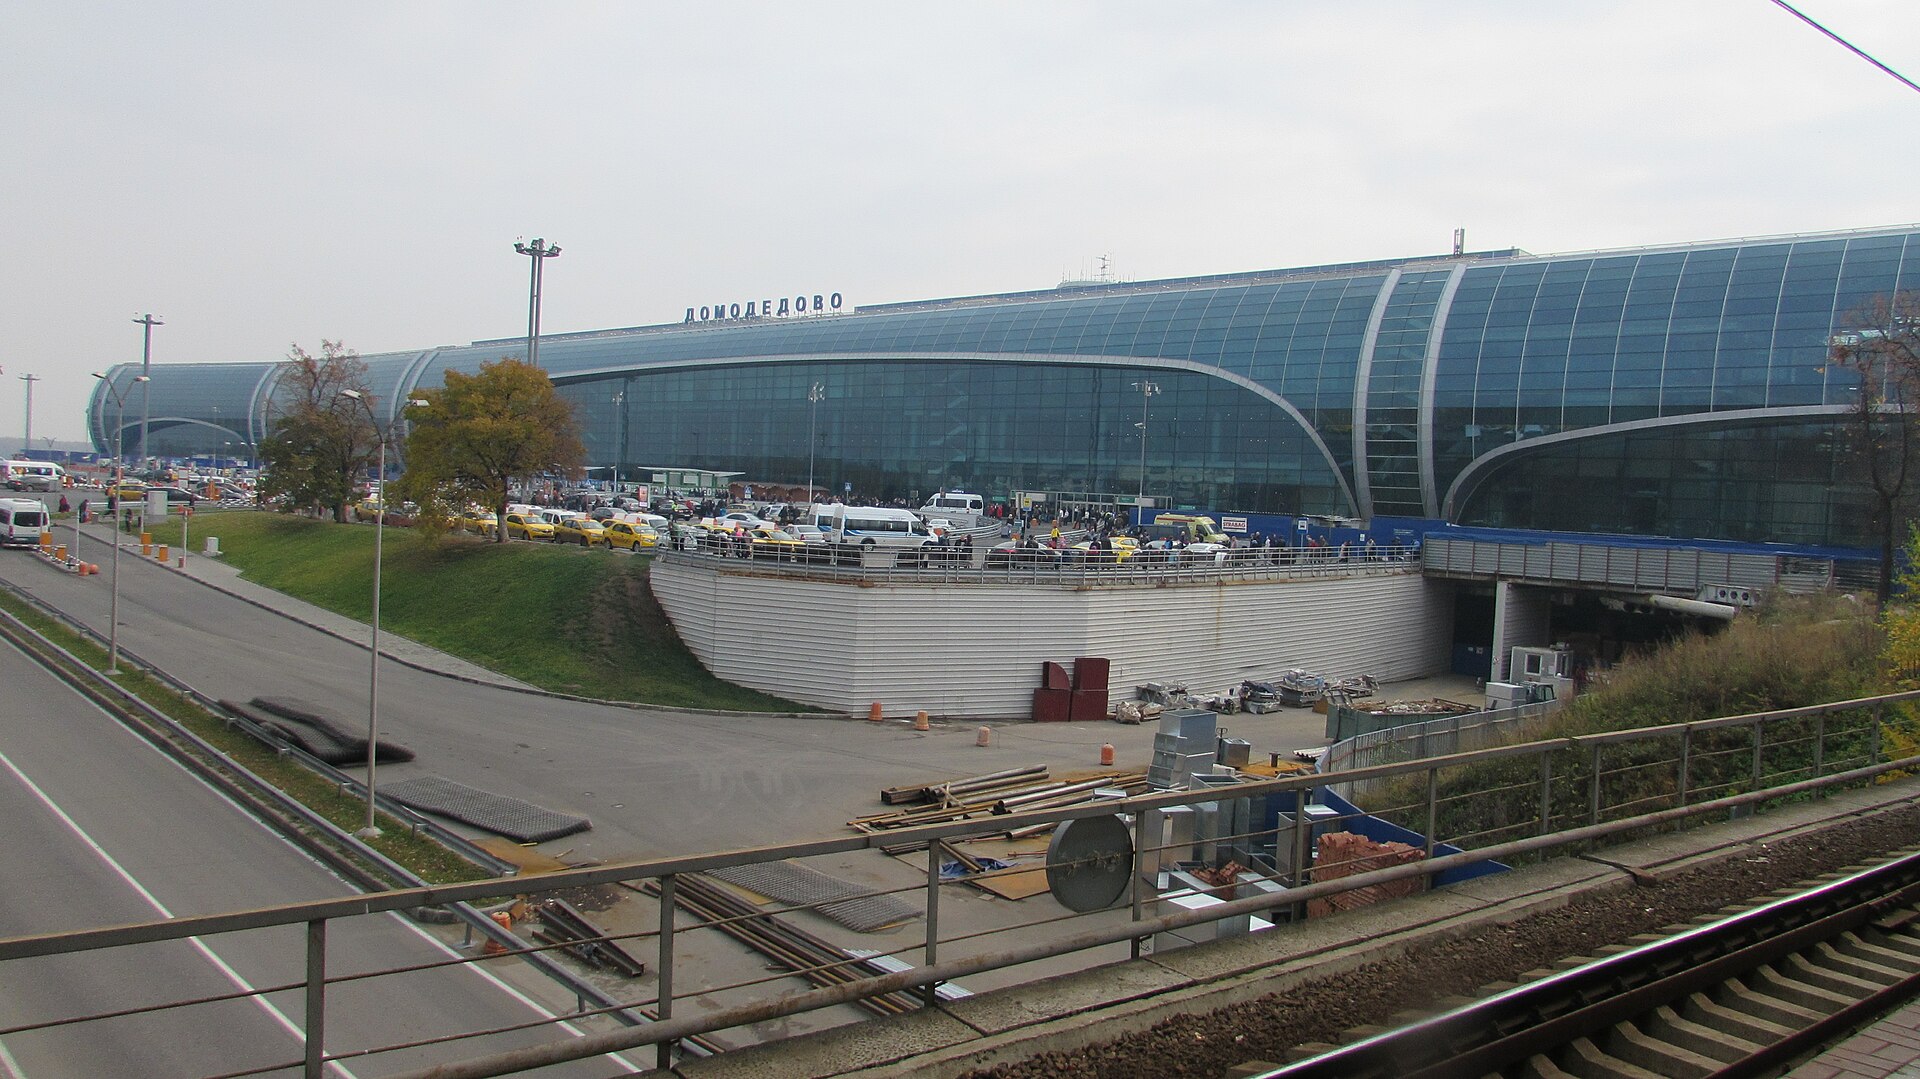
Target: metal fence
{"x": 1459, "y": 814}
{"x": 1437, "y": 737}
{"x": 1049, "y": 565}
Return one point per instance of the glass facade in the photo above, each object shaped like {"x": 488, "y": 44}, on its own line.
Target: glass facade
{"x": 1404, "y": 389}
{"x": 895, "y": 429}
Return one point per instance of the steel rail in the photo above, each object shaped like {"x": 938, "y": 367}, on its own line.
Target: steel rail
{"x": 1488, "y": 1035}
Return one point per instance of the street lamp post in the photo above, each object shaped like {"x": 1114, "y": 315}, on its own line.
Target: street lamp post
{"x": 620, "y": 454}
{"x": 148, "y": 322}
{"x": 815, "y": 394}
{"x": 113, "y": 521}
{"x": 372, "y": 830}
{"x": 26, "y": 442}
{"x": 1147, "y": 390}
{"x": 539, "y": 252}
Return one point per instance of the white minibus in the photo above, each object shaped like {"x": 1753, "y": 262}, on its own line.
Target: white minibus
{"x": 21, "y": 522}
{"x": 947, "y": 503}
{"x": 872, "y": 526}
{"x": 32, "y": 475}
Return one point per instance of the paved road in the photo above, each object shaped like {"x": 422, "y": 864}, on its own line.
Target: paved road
{"x": 102, "y": 829}
{"x": 652, "y": 782}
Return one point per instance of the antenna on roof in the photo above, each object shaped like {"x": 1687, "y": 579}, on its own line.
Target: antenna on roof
{"x": 1459, "y": 242}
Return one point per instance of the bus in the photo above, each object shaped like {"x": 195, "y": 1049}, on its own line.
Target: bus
{"x": 21, "y": 522}
{"x": 872, "y": 526}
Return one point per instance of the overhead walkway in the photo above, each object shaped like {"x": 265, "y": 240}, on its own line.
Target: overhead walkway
{"x": 1722, "y": 573}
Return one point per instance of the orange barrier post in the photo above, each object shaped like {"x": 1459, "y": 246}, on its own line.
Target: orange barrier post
{"x": 146, "y": 545}
{"x": 920, "y": 720}
{"x": 505, "y": 921}
{"x": 873, "y": 712}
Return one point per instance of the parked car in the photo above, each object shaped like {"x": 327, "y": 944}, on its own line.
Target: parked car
{"x": 478, "y": 521}
{"x": 584, "y": 531}
{"x": 1010, "y": 552}
{"x": 1120, "y": 548}
{"x": 743, "y": 517}
{"x": 771, "y": 542}
{"x": 528, "y": 526}
{"x": 631, "y": 535}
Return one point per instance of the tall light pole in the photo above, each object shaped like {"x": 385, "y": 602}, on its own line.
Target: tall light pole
{"x": 539, "y": 252}
{"x": 816, "y": 393}
{"x": 372, "y": 830}
{"x": 147, "y": 322}
{"x": 113, "y": 520}
{"x": 1147, "y": 390}
{"x": 27, "y": 441}
{"x": 620, "y": 455}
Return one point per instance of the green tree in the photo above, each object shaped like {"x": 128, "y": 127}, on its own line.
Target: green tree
{"x": 1880, "y": 344}
{"x": 479, "y": 434}
{"x": 320, "y": 443}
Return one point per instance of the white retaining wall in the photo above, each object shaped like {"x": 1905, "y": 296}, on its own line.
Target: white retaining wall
{"x": 974, "y": 650}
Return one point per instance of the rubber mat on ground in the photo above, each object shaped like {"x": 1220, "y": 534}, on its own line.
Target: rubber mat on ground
{"x": 839, "y": 901}
{"x": 315, "y": 732}
{"x": 496, "y": 813}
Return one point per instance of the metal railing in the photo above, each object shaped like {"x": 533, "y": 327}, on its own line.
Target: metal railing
{"x": 1436, "y": 737}
{"x": 1461, "y": 815}
{"x": 961, "y": 565}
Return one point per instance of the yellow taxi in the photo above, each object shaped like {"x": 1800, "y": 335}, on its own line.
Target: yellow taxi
{"x": 1120, "y": 548}
{"x": 478, "y": 521}
{"x": 770, "y": 541}
{"x": 584, "y": 531}
{"x": 631, "y": 535}
{"x": 528, "y": 526}
{"x": 127, "y": 491}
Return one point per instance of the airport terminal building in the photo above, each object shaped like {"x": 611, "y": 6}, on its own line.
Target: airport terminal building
{"x": 1678, "y": 391}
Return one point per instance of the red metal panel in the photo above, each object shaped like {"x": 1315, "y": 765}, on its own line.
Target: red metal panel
{"x": 1052, "y": 705}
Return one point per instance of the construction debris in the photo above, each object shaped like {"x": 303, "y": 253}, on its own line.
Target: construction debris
{"x": 1014, "y": 791}
{"x": 563, "y": 924}
{"x": 792, "y": 948}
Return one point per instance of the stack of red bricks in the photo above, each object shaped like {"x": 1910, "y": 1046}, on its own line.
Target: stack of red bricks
{"x": 1344, "y": 854}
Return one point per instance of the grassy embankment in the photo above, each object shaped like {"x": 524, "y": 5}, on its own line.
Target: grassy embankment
{"x": 1792, "y": 654}
{"x": 562, "y": 618}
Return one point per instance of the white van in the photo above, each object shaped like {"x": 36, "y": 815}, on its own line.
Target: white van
{"x": 21, "y": 522}
{"x": 950, "y": 502}
{"x": 872, "y": 526}
{"x": 32, "y": 475}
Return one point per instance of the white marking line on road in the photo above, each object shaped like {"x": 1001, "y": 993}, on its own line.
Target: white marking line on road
{"x": 139, "y": 889}
{"x": 535, "y": 1006}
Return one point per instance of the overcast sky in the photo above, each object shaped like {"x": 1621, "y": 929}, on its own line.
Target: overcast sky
{"x": 262, "y": 174}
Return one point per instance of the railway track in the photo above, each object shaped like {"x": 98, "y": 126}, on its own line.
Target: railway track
{"x": 1742, "y": 993}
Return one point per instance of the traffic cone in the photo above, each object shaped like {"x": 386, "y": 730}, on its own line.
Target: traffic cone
{"x": 873, "y": 712}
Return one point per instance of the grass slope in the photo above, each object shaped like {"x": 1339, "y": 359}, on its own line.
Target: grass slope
{"x": 562, "y": 618}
